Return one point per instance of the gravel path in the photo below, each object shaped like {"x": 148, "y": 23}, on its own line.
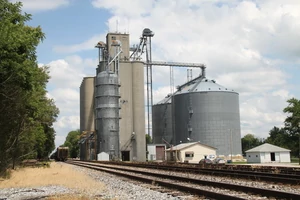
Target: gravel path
{"x": 116, "y": 189}
{"x": 122, "y": 189}
{"x": 31, "y": 193}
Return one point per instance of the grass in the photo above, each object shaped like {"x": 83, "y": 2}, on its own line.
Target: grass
{"x": 238, "y": 163}
{"x": 56, "y": 174}
{"x": 294, "y": 160}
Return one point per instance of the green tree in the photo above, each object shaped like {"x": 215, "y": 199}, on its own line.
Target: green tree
{"x": 292, "y": 122}
{"x": 148, "y": 139}
{"x": 72, "y": 140}
{"x": 292, "y": 125}
{"x": 249, "y": 141}
{"x": 280, "y": 137}
{"x": 27, "y": 115}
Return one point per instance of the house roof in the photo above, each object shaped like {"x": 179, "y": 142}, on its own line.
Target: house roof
{"x": 186, "y": 145}
{"x": 267, "y": 148}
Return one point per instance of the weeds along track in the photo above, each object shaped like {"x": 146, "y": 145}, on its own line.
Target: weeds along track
{"x": 194, "y": 186}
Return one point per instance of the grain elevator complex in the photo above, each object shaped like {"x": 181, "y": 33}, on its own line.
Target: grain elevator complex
{"x": 113, "y": 111}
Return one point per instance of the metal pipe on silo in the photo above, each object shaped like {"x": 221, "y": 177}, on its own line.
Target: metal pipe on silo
{"x": 203, "y": 72}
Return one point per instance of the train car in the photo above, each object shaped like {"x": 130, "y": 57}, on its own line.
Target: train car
{"x": 62, "y": 153}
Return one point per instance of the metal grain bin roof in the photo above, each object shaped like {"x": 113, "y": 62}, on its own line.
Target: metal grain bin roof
{"x": 202, "y": 85}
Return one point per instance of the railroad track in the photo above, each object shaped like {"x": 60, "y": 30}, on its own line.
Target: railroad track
{"x": 210, "y": 189}
{"x": 252, "y": 175}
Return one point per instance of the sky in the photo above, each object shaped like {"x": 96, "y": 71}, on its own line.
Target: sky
{"x": 249, "y": 46}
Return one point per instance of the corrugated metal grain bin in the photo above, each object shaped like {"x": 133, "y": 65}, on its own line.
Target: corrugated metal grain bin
{"x": 207, "y": 112}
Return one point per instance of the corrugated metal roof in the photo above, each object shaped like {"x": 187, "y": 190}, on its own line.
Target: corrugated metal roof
{"x": 203, "y": 85}
{"x": 267, "y": 148}
{"x": 199, "y": 84}
{"x": 167, "y": 99}
{"x": 186, "y": 145}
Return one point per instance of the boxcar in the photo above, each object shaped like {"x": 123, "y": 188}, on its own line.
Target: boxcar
{"x": 62, "y": 153}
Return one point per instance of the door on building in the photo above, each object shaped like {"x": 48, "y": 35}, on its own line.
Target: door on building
{"x": 125, "y": 155}
{"x": 160, "y": 152}
{"x": 272, "y": 156}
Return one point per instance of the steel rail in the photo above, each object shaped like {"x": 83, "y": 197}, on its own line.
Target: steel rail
{"x": 262, "y": 176}
{"x": 182, "y": 188}
{"x": 246, "y": 189}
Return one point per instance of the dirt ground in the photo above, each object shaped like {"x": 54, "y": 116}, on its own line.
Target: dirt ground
{"x": 57, "y": 174}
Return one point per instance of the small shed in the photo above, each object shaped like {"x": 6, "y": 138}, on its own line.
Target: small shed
{"x": 268, "y": 153}
{"x": 156, "y": 152}
{"x": 191, "y": 152}
{"x": 103, "y": 156}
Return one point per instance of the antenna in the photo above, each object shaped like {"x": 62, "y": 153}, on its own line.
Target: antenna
{"x": 117, "y": 25}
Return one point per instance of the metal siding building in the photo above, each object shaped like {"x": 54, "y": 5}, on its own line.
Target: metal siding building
{"x": 268, "y": 153}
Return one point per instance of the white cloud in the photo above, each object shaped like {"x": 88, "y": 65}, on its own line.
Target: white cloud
{"x": 86, "y": 45}
{"x": 34, "y": 5}
{"x": 246, "y": 46}
{"x": 66, "y": 76}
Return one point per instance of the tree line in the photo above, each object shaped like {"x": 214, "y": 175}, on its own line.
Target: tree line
{"x": 286, "y": 137}
{"x": 27, "y": 114}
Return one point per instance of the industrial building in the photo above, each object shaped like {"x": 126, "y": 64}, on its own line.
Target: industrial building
{"x": 112, "y": 103}
{"x": 156, "y": 152}
{"x": 268, "y": 153}
{"x": 112, "y": 106}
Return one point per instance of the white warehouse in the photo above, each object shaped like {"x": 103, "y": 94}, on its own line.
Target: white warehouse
{"x": 268, "y": 153}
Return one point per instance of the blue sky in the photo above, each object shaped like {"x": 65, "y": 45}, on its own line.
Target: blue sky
{"x": 249, "y": 46}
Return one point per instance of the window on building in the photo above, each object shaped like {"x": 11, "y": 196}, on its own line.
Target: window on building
{"x": 189, "y": 154}
{"x": 249, "y": 156}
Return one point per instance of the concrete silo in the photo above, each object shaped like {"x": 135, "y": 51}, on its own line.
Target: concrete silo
{"x": 87, "y": 119}
{"x": 87, "y": 104}
{"x": 207, "y": 112}
{"x": 132, "y": 113}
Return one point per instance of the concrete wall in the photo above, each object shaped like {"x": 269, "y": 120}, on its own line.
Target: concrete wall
{"x": 87, "y": 99}
{"x": 124, "y": 39}
{"x": 132, "y": 110}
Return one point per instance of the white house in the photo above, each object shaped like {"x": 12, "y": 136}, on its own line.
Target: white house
{"x": 191, "y": 152}
{"x": 268, "y": 153}
{"x": 156, "y": 152}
